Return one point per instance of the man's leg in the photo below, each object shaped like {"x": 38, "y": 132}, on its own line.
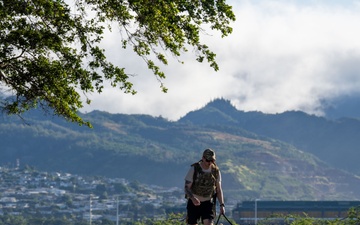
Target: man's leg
{"x": 192, "y": 213}
{"x": 208, "y": 222}
{"x": 207, "y": 213}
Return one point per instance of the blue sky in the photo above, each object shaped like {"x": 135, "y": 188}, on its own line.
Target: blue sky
{"x": 282, "y": 55}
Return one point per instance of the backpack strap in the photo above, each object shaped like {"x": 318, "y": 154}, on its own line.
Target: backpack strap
{"x": 197, "y": 169}
{"x": 215, "y": 171}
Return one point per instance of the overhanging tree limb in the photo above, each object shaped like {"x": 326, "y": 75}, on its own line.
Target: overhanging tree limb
{"x": 49, "y": 50}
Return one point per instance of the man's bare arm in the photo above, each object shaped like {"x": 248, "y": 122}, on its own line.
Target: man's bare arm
{"x": 220, "y": 197}
{"x": 188, "y": 191}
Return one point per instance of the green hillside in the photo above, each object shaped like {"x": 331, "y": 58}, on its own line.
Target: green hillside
{"x": 156, "y": 151}
{"x": 336, "y": 142}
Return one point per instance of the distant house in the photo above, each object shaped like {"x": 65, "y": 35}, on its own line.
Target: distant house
{"x": 7, "y": 199}
{"x": 8, "y": 202}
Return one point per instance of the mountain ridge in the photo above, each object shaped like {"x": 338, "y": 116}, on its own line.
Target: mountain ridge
{"x": 155, "y": 150}
{"x": 326, "y": 138}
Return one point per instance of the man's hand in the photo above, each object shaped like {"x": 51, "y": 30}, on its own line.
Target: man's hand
{"x": 222, "y": 209}
{"x": 195, "y": 201}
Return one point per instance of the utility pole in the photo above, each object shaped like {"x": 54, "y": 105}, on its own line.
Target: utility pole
{"x": 256, "y": 200}
{"x": 117, "y": 210}
{"x": 90, "y": 211}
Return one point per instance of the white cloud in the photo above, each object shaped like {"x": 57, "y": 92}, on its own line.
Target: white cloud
{"x": 282, "y": 56}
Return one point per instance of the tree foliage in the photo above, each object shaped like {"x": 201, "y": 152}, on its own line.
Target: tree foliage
{"x": 50, "y": 50}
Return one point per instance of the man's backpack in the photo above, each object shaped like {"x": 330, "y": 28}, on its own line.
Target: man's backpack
{"x": 198, "y": 170}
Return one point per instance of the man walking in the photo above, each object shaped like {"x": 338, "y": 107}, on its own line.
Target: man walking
{"x": 202, "y": 185}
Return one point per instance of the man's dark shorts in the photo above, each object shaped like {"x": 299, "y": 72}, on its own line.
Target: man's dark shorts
{"x": 203, "y": 211}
